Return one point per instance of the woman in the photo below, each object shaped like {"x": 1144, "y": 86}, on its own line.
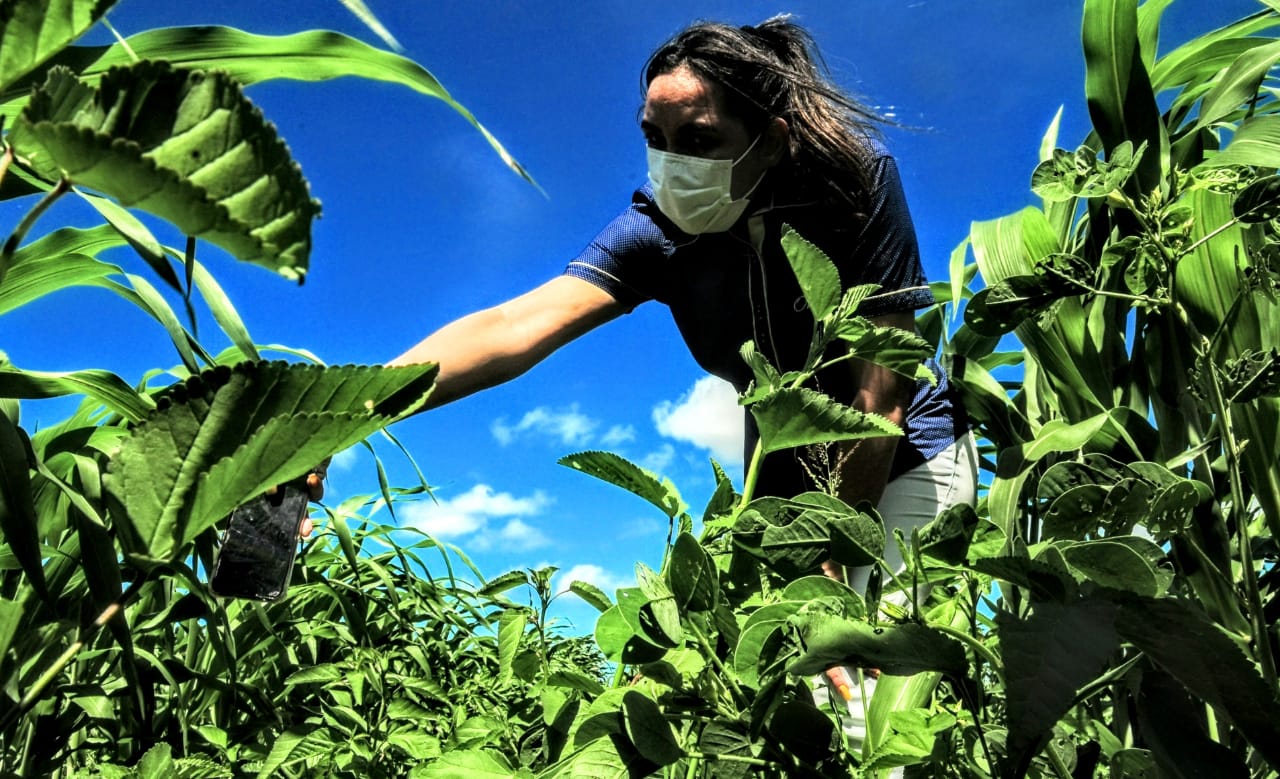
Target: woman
{"x": 745, "y": 134}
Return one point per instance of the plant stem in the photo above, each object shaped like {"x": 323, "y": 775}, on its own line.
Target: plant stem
{"x": 11, "y": 245}
{"x": 1055, "y": 760}
{"x": 752, "y": 477}
{"x": 739, "y": 696}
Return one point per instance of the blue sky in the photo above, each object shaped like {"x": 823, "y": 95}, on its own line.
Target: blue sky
{"x": 422, "y": 223}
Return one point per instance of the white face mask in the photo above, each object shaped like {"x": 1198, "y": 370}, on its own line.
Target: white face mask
{"x": 694, "y": 192}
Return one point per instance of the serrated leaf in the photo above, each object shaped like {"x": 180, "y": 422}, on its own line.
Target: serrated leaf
{"x": 648, "y": 730}
{"x": 316, "y": 674}
{"x": 228, "y": 434}
{"x": 157, "y": 763}
{"x": 32, "y": 31}
{"x": 500, "y": 584}
{"x": 186, "y": 146}
{"x": 1112, "y": 563}
{"x": 819, "y": 279}
{"x": 592, "y": 594}
{"x": 622, "y": 473}
{"x": 898, "y": 350}
{"x": 799, "y": 417}
{"x": 466, "y": 764}
{"x": 1047, "y": 658}
{"x": 511, "y": 625}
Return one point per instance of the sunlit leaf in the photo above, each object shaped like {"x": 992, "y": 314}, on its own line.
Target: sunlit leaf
{"x": 798, "y": 417}
{"x": 1238, "y": 86}
{"x": 32, "y": 31}
{"x": 186, "y": 146}
{"x": 592, "y": 594}
{"x": 227, "y": 435}
{"x": 819, "y": 279}
{"x": 693, "y": 576}
{"x": 18, "y": 521}
{"x": 620, "y": 472}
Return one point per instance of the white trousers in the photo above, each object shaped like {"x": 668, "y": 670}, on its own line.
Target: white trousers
{"x": 912, "y": 500}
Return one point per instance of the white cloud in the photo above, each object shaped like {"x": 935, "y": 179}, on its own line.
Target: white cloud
{"x": 568, "y": 425}
{"x": 591, "y": 574}
{"x": 618, "y": 434}
{"x": 637, "y": 528}
{"x": 707, "y": 416}
{"x": 469, "y": 514}
{"x": 345, "y": 460}
{"x": 659, "y": 460}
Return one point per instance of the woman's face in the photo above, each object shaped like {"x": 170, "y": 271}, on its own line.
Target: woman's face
{"x": 686, "y": 114}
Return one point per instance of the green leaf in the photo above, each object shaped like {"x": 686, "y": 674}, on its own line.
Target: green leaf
{"x": 1255, "y": 142}
{"x": 228, "y": 434}
{"x": 895, "y": 649}
{"x": 723, "y": 736}
{"x": 693, "y": 576}
{"x": 947, "y": 537}
{"x": 64, "y": 258}
{"x": 799, "y": 417}
{"x": 186, "y": 146}
{"x": 511, "y": 625}
{"x": 500, "y": 584}
{"x": 892, "y": 347}
{"x": 466, "y": 764}
{"x": 592, "y": 594}
{"x": 659, "y": 616}
{"x": 648, "y": 730}
{"x": 809, "y": 588}
{"x": 32, "y": 31}
{"x": 1239, "y": 85}
{"x": 10, "y": 619}
{"x": 618, "y": 641}
{"x": 1115, "y": 562}
{"x": 157, "y": 763}
{"x": 316, "y": 674}
{"x": 819, "y": 279}
{"x": 1122, "y": 103}
{"x": 1230, "y": 683}
{"x": 1169, "y": 721}
{"x": 19, "y": 524}
{"x": 622, "y": 473}
{"x": 757, "y": 646}
{"x": 315, "y": 55}
{"x": 803, "y": 730}
{"x": 1047, "y": 658}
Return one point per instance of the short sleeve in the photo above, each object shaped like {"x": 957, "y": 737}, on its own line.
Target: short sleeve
{"x": 887, "y": 252}
{"x": 624, "y": 258}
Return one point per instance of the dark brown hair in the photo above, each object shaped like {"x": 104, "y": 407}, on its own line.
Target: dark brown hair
{"x": 773, "y": 69}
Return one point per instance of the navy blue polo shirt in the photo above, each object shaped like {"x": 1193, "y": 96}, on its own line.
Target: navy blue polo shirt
{"x": 726, "y": 288}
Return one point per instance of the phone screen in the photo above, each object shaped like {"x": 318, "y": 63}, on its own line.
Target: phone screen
{"x": 256, "y": 556}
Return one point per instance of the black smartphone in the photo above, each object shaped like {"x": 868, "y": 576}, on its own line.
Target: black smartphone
{"x": 255, "y": 558}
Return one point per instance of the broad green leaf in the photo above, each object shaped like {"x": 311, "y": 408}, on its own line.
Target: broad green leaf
{"x": 799, "y": 417}
{"x": 896, "y": 349}
{"x": 157, "y": 763}
{"x": 810, "y": 588}
{"x": 693, "y": 576}
{"x": 18, "y": 521}
{"x": 228, "y": 434}
{"x": 466, "y": 764}
{"x": 621, "y": 473}
{"x": 186, "y": 146}
{"x": 601, "y": 758}
{"x": 659, "y": 617}
{"x": 1259, "y": 202}
{"x": 803, "y": 730}
{"x": 757, "y": 646}
{"x": 723, "y": 736}
{"x": 1047, "y": 658}
{"x": 648, "y": 730}
{"x": 1060, "y": 436}
{"x": 592, "y": 594}
{"x": 316, "y": 674}
{"x": 819, "y": 279}
{"x": 1048, "y": 581}
{"x": 901, "y": 650}
{"x": 1112, "y": 563}
{"x": 32, "y": 31}
{"x": 1238, "y": 86}
{"x": 500, "y": 584}
{"x": 315, "y": 55}
{"x": 947, "y": 537}
{"x": 511, "y": 625}
{"x": 618, "y": 641}
{"x": 1230, "y": 683}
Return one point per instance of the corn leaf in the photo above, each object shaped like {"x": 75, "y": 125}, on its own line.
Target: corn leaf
{"x": 314, "y": 55}
{"x": 185, "y": 146}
